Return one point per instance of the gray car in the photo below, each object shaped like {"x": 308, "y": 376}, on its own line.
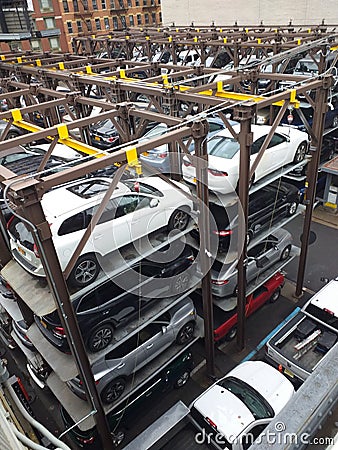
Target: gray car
{"x": 112, "y": 369}
{"x": 274, "y": 248}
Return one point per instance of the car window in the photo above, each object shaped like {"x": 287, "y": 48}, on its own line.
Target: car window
{"x": 252, "y": 399}
{"x": 89, "y": 188}
{"x": 261, "y": 248}
{"x": 276, "y": 139}
{"x": 124, "y": 348}
{"x": 19, "y": 231}
{"x": 109, "y": 212}
{"x": 130, "y": 203}
{"x": 99, "y": 296}
{"x": 13, "y": 158}
{"x": 150, "y": 331}
{"x": 213, "y": 126}
{"x": 223, "y": 147}
{"x": 79, "y": 221}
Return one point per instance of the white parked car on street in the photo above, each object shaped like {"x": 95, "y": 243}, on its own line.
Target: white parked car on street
{"x": 235, "y": 410}
{"x": 286, "y": 146}
{"x": 135, "y": 209}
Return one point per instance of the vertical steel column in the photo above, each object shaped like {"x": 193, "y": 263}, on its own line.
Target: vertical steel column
{"x": 245, "y": 141}
{"x": 199, "y": 133}
{"x": 43, "y": 239}
{"x": 315, "y": 148}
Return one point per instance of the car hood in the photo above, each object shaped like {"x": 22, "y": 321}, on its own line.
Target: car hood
{"x": 225, "y": 410}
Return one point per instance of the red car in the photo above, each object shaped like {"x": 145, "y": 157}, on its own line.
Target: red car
{"x": 225, "y": 322}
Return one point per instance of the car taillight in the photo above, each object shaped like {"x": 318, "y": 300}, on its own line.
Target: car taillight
{"x": 85, "y": 441}
{"x": 211, "y": 423}
{"x": 219, "y": 282}
{"x": 162, "y": 155}
{"x": 112, "y": 138}
{"x": 187, "y": 163}
{"x": 191, "y": 258}
{"x": 222, "y": 233}
{"x": 10, "y": 221}
{"x": 329, "y": 312}
{"x": 35, "y": 250}
{"x": 59, "y": 331}
{"x": 217, "y": 173}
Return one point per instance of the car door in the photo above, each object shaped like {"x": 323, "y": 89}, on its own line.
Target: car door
{"x": 156, "y": 337}
{"x": 260, "y": 257}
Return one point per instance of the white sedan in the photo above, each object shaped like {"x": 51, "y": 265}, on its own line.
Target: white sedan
{"x": 286, "y": 146}
{"x": 236, "y": 409}
{"x": 135, "y": 209}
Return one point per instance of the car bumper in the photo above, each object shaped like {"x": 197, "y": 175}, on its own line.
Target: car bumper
{"x": 59, "y": 343}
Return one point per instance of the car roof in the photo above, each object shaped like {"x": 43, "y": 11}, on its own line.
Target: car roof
{"x": 62, "y": 200}
{"x": 326, "y": 298}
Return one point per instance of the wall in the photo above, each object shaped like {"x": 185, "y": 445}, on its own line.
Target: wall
{"x": 249, "y": 12}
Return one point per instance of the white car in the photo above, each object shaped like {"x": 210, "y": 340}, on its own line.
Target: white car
{"x": 235, "y": 410}
{"x": 286, "y": 146}
{"x": 136, "y": 208}
{"x": 60, "y": 151}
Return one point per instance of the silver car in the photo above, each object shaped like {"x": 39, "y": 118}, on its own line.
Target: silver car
{"x": 111, "y": 371}
{"x": 276, "y": 247}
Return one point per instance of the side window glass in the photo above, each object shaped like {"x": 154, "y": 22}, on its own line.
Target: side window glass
{"x": 109, "y": 212}
{"x": 87, "y": 303}
{"x": 277, "y": 139}
{"x": 256, "y": 146}
{"x": 126, "y": 205}
{"x": 72, "y": 224}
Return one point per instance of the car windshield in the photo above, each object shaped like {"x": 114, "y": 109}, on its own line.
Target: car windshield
{"x": 223, "y": 147}
{"x": 156, "y": 131}
{"x": 252, "y": 399}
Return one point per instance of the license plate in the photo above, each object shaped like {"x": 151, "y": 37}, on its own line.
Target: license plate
{"x": 21, "y": 250}
{"x": 288, "y": 373}
{"x": 97, "y": 138}
{"x": 43, "y": 323}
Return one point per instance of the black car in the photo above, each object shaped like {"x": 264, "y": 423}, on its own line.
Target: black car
{"x": 107, "y": 306}
{"x": 266, "y": 207}
{"x": 124, "y": 416}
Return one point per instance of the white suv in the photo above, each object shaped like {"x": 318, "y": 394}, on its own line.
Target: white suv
{"x": 135, "y": 209}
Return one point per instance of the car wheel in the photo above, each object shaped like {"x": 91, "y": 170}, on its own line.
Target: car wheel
{"x": 186, "y": 333}
{"x": 113, "y": 390}
{"x": 12, "y": 135}
{"x": 181, "y": 282}
{"x": 100, "y": 338}
{"x": 178, "y": 220}
{"x": 232, "y": 334}
{"x": 335, "y": 122}
{"x": 118, "y": 437}
{"x": 182, "y": 380}
{"x": 249, "y": 237}
{"x": 275, "y": 296}
{"x": 292, "y": 208}
{"x": 300, "y": 153}
{"x": 85, "y": 271}
{"x": 285, "y": 253}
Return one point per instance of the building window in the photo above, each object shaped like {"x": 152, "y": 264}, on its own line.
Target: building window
{"x": 70, "y": 27}
{"x": 146, "y": 18}
{"x": 129, "y": 4}
{"x": 46, "y": 5}
{"x": 89, "y": 25}
{"x": 153, "y": 17}
{"x": 94, "y": 2}
{"x": 160, "y": 16}
{"x": 79, "y": 26}
{"x": 121, "y": 4}
{"x": 131, "y": 20}
{"x": 104, "y": 4}
{"x": 54, "y": 43}
{"x": 106, "y": 23}
{"x": 75, "y": 5}
{"x": 35, "y": 44}
{"x": 139, "y": 19}
{"x": 145, "y": 2}
{"x": 123, "y": 22}
{"x": 137, "y": 2}
{"x": 112, "y": 4}
{"x": 115, "y": 26}
{"x": 65, "y": 6}
{"x": 85, "y": 4}
{"x": 98, "y": 24}
{"x": 49, "y": 22}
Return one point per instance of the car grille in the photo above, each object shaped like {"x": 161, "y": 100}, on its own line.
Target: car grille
{"x": 23, "y": 261}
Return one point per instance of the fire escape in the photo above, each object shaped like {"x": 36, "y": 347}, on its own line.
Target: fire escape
{"x": 82, "y": 11}
{"x": 15, "y": 21}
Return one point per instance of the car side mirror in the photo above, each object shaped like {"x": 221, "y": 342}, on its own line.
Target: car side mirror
{"x": 153, "y": 202}
{"x": 164, "y": 329}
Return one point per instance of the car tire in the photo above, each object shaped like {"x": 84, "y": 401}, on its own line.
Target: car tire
{"x": 180, "y": 283}
{"x": 249, "y": 237}
{"x": 275, "y": 296}
{"x": 231, "y": 334}
{"x": 118, "y": 437}
{"x": 285, "y": 253}
{"x": 113, "y": 390}
{"x": 186, "y": 333}
{"x": 292, "y": 208}
{"x": 12, "y": 135}
{"x": 85, "y": 271}
{"x": 300, "y": 153}
{"x": 179, "y": 220}
{"x": 335, "y": 122}
{"x": 182, "y": 380}
{"x": 100, "y": 338}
